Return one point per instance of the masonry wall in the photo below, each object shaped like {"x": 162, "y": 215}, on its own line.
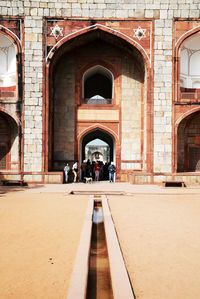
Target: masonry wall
{"x": 131, "y": 105}
{"x": 163, "y": 12}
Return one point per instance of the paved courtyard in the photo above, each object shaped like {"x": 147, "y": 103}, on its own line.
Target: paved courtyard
{"x": 158, "y": 231}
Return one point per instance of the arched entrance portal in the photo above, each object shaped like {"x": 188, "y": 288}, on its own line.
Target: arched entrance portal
{"x": 96, "y": 81}
{"x": 98, "y": 146}
{"x": 101, "y": 135}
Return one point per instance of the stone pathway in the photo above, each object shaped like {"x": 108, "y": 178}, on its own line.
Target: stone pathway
{"x": 111, "y": 187}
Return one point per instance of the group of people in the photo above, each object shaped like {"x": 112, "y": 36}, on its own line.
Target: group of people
{"x": 95, "y": 170}
{"x": 74, "y": 171}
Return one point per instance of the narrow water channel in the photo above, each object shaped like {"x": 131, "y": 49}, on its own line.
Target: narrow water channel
{"x": 99, "y": 280}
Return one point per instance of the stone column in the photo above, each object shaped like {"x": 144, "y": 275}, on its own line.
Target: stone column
{"x": 33, "y": 95}
{"x": 163, "y": 93}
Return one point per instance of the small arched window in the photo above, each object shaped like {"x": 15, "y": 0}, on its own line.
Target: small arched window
{"x": 98, "y": 86}
{"x": 7, "y": 62}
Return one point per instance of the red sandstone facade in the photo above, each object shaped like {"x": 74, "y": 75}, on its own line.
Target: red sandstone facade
{"x": 125, "y": 48}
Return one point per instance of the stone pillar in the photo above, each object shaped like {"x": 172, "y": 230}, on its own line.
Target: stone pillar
{"x": 33, "y": 93}
{"x": 163, "y": 93}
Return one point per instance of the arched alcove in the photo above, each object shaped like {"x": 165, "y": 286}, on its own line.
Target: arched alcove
{"x": 188, "y": 144}
{"x": 98, "y": 85}
{"x": 9, "y": 142}
{"x": 7, "y": 62}
{"x": 190, "y": 63}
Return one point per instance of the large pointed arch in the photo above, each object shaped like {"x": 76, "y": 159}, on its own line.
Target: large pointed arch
{"x": 123, "y": 44}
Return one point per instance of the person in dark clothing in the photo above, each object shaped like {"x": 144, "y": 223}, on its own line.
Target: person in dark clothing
{"x": 111, "y": 170}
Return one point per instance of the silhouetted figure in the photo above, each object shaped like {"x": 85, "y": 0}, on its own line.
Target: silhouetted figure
{"x": 83, "y": 170}
{"x": 111, "y": 170}
{"x": 88, "y": 169}
{"x": 105, "y": 172}
{"x": 66, "y": 172}
{"x": 75, "y": 170}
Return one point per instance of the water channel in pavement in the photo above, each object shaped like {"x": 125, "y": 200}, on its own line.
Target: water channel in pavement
{"x": 99, "y": 279}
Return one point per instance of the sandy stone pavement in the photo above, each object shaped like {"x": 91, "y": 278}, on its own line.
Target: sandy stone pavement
{"x": 39, "y": 236}
{"x": 160, "y": 240}
{"x": 159, "y": 234}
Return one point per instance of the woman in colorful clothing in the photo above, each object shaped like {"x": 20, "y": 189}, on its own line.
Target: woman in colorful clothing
{"x": 96, "y": 171}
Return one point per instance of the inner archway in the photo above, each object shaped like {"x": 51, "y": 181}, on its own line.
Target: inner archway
{"x": 98, "y": 85}
{"x": 98, "y": 146}
{"x": 100, "y": 135}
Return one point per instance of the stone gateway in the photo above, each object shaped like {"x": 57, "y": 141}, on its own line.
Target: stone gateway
{"x": 124, "y": 72}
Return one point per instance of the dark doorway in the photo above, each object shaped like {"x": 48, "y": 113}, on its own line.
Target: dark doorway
{"x": 188, "y": 144}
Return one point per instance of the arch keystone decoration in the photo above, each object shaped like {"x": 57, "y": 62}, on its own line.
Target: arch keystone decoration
{"x": 133, "y": 42}
{"x": 96, "y": 127}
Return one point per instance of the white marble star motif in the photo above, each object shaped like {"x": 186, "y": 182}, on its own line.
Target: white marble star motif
{"x": 139, "y": 33}
{"x": 56, "y": 31}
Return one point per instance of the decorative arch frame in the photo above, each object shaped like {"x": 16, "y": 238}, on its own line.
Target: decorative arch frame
{"x": 12, "y": 36}
{"x": 18, "y": 118}
{"x": 185, "y": 36}
{"x": 104, "y": 28}
{"x": 100, "y": 127}
{"x": 149, "y": 75}
{"x": 176, "y": 94}
{"x": 18, "y": 46}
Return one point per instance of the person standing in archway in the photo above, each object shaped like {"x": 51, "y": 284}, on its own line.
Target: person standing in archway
{"x": 75, "y": 170}
{"x": 111, "y": 170}
{"x": 97, "y": 171}
{"x": 66, "y": 171}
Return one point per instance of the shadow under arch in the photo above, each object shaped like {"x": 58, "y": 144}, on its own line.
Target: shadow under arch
{"x": 188, "y": 142}
{"x": 106, "y": 80}
{"x": 9, "y": 131}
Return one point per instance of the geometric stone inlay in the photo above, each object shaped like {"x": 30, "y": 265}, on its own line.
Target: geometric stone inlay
{"x": 139, "y": 33}
{"x": 56, "y": 31}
